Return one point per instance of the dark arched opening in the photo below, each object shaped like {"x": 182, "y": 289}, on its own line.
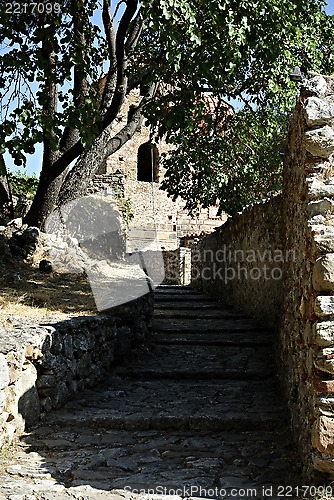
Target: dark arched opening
{"x": 147, "y": 165}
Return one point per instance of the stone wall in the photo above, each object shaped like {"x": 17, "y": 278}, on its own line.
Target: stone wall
{"x": 297, "y": 230}
{"x": 307, "y": 331}
{"x": 44, "y": 365}
{"x": 177, "y": 266}
{"x": 241, "y": 261}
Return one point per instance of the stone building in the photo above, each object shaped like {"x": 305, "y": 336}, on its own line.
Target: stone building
{"x": 153, "y": 219}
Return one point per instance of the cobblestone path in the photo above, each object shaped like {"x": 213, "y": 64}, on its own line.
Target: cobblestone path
{"x": 197, "y": 414}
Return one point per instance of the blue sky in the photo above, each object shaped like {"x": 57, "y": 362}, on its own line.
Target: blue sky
{"x": 330, "y": 7}
{"x": 34, "y": 161}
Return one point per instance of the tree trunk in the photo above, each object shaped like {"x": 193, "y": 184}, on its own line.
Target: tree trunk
{"x": 44, "y": 201}
{"x": 78, "y": 179}
{"x": 6, "y": 201}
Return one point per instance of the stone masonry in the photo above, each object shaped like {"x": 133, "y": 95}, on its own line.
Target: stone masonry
{"x": 293, "y": 236}
{"x": 147, "y": 209}
{"x": 44, "y": 365}
{"x": 197, "y": 415}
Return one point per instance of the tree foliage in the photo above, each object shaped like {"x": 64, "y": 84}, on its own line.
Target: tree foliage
{"x": 248, "y": 50}
{"x": 51, "y": 62}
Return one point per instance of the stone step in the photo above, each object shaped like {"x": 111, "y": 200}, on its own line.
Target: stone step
{"x": 178, "y": 293}
{"x": 203, "y": 362}
{"x": 177, "y": 304}
{"x": 191, "y": 313}
{"x": 107, "y": 459}
{"x": 242, "y": 338}
{"x": 208, "y": 325}
{"x": 201, "y": 406}
{"x": 185, "y": 297}
{"x": 175, "y": 288}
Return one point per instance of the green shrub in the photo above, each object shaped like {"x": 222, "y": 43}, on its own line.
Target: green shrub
{"x": 21, "y": 183}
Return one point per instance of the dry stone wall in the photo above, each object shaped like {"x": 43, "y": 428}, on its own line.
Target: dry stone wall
{"x": 241, "y": 262}
{"x": 297, "y": 231}
{"x": 44, "y": 365}
{"x": 307, "y": 332}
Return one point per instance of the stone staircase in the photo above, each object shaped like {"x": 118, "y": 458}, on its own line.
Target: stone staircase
{"x": 198, "y": 413}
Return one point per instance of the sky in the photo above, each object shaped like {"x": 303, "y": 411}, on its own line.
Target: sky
{"x": 34, "y": 161}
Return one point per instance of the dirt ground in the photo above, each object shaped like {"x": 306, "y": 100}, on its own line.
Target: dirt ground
{"x": 37, "y": 295}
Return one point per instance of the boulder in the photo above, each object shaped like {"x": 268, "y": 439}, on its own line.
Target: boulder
{"x": 45, "y": 266}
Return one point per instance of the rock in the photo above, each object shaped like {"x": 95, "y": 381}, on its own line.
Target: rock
{"x": 12, "y": 277}
{"x": 323, "y": 465}
{"x": 325, "y": 386}
{"x": 30, "y": 235}
{"x": 321, "y": 207}
{"x": 316, "y": 86}
{"x": 27, "y": 399}
{"x": 324, "y": 306}
{"x": 318, "y": 112}
{"x": 325, "y": 360}
{"x": 4, "y": 372}
{"x": 323, "y": 273}
{"x": 17, "y": 251}
{"x": 323, "y": 435}
{"x": 29, "y": 249}
{"x": 324, "y": 332}
{"x": 318, "y": 188}
{"x": 324, "y": 238}
{"x": 320, "y": 142}
{"x": 45, "y": 266}
{"x": 17, "y": 223}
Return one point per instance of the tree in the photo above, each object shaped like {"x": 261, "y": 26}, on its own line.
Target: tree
{"x": 175, "y": 50}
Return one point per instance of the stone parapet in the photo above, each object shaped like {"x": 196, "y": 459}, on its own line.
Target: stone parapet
{"x": 44, "y": 365}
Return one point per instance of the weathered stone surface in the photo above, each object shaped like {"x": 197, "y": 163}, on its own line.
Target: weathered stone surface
{"x": 318, "y": 111}
{"x": 27, "y": 400}
{"x": 316, "y": 86}
{"x": 4, "y": 373}
{"x": 145, "y": 434}
{"x": 322, "y": 464}
{"x": 323, "y": 273}
{"x": 324, "y": 306}
{"x": 324, "y": 333}
{"x": 325, "y": 360}
{"x": 70, "y": 355}
{"x": 326, "y": 386}
{"x": 321, "y": 207}
{"x": 320, "y": 142}
{"x": 323, "y": 435}
{"x": 318, "y": 188}
{"x": 323, "y": 238}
